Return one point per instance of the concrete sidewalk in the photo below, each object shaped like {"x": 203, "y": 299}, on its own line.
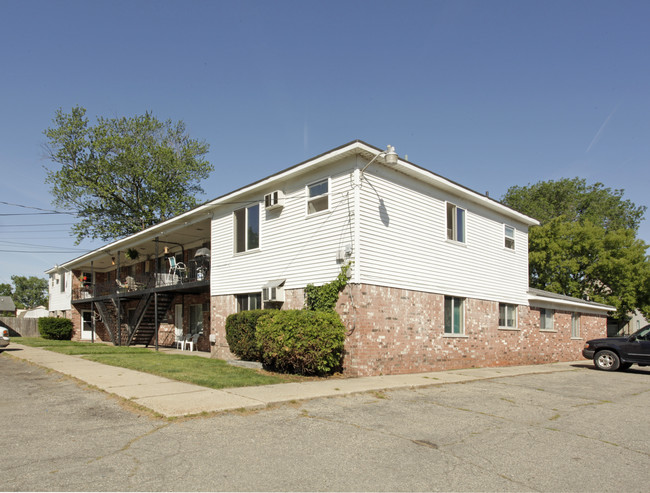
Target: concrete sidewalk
{"x": 172, "y": 398}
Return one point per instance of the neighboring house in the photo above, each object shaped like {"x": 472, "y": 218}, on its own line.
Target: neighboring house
{"x": 631, "y": 324}
{"x": 36, "y": 312}
{"x": 7, "y": 306}
{"x": 438, "y": 272}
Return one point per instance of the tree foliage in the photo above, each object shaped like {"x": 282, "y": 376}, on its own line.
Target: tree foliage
{"x": 586, "y": 246}
{"x": 29, "y": 291}
{"x": 123, "y": 175}
{"x": 575, "y": 200}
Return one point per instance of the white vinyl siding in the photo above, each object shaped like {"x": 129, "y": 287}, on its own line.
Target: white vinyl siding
{"x": 58, "y": 299}
{"x": 403, "y": 243}
{"x": 294, "y": 246}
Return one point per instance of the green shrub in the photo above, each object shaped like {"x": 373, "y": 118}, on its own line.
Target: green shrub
{"x": 301, "y": 341}
{"x": 240, "y": 334}
{"x": 59, "y": 329}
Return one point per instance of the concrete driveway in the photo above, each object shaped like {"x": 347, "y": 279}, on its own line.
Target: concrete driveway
{"x": 579, "y": 430}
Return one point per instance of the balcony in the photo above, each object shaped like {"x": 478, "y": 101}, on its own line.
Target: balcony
{"x": 194, "y": 278}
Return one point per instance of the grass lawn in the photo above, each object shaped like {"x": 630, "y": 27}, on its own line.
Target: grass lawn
{"x": 207, "y": 372}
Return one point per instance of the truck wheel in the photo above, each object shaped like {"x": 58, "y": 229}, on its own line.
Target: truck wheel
{"x": 607, "y": 360}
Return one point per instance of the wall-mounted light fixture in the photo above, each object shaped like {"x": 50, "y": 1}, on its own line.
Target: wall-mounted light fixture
{"x": 389, "y": 155}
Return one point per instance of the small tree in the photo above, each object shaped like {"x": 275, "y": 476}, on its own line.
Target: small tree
{"x": 30, "y": 291}
{"x": 123, "y": 175}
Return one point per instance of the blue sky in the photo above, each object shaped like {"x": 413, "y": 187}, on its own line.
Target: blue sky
{"x": 487, "y": 93}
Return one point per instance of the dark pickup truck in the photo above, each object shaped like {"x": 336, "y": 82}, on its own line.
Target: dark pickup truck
{"x": 619, "y": 353}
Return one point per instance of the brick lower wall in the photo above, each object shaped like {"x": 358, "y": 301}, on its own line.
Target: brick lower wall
{"x": 394, "y": 331}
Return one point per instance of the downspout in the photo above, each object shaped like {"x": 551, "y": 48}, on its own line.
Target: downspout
{"x": 92, "y": 303}
{"x": 119, "y": 304}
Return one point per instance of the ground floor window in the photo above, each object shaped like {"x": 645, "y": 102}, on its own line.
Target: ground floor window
{"x": 575, "y": 325}
{"x": 250, "y": 301}
{"x": 507, "y": 315}
{"x": 454, "y": 315}
{"x": 196, "y": 319}
{"x": 546, "y": 318}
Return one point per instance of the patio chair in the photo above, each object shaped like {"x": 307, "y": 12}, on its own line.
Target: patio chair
{"x": 176, "y": 268}
{"x": 180, "y": 342}
{"x": 191, "y": 341}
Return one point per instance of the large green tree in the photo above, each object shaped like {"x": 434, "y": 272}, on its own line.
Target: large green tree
{"x": 586, "y": 245}
{"x": 122, "y": 175}
{"x": 29, "y": 291}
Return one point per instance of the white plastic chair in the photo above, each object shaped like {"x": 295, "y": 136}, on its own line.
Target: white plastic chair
{"x": 180, "y": 342}
{"x": 191, "y": 341}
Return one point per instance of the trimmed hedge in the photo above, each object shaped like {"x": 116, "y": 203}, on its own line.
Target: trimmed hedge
{"x": 240, "y": 334}
{"x": 59, "y": 329}
{"x": 301, "y": 341}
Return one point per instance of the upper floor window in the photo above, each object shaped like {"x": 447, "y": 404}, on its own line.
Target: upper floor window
{"x": 454, "y": 315}
{"x": 507, "y": 315}
{"x": 455, "y": 223}
{"x": 247, "y": 228}
{"x": 318, "y": 197}
{"x": 62, "y": 275}
{"x": 509, "y": 237}
{"x": 546, "y": 319}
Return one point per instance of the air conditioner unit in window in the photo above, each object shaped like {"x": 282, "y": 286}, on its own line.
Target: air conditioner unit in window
{"x": 273, "y": 294}
{"x": 274, "y": 200}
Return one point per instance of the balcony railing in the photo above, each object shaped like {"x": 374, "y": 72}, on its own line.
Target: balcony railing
{"x": 195, "y": 272}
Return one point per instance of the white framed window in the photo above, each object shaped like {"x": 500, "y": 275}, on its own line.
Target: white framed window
{"x": 318, "y": 196}
{"x": 546, "y": 317}
{"x": 507, "y": 315}
{"x": 454, "y": 315}
{"x": 509, "y": 237}
{"x": 249, "y": 301}
{"x": 62, "y": 284}
{"x": 575, "y": 325}
{"x": 247, "y": 228}
{"x": 455, "y": 223}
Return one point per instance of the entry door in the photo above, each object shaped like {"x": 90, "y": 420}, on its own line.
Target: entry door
{"x": 86, "y": 324}
{"x": 178, "y": 321}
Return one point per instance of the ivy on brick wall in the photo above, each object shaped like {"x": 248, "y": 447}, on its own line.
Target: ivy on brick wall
{"x": 324, "y": 298}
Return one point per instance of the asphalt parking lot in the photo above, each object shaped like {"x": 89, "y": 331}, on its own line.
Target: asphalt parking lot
{"x": 580, "y": 430}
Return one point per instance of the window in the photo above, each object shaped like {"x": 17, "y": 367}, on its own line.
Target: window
{"x": 86, "y": 279}
{"x": 247, "y": 228}
{"x": 62, "y": 285}
{"x": 546, "y": 319}
{"x": 196, "y": 319}
{"x": 251, "y": 301}
{"x": 318, "y": 197}
{"x": 454, "y": 315}
{"x": 575, "y": 325}
{"x": 455, "y": 223}
{"x": 507, "y": 315}
{"x": 509, "y": 237}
